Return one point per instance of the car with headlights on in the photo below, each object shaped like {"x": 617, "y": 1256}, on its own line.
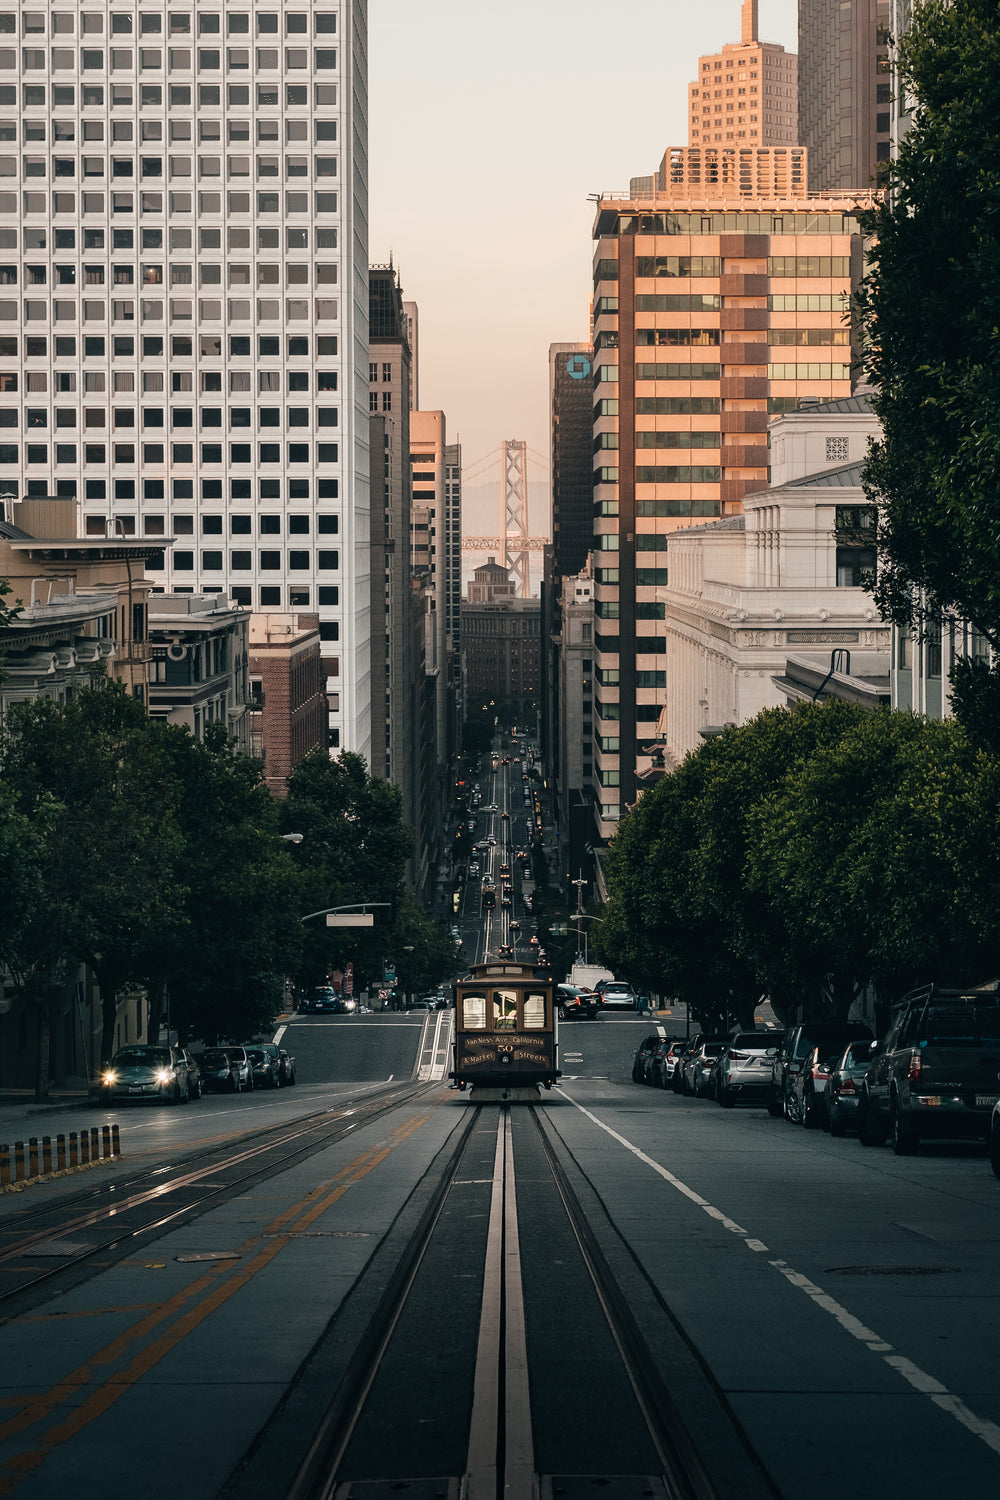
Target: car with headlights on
{"x": 151, "y": 1071}
{"x": 218, "y": 1073}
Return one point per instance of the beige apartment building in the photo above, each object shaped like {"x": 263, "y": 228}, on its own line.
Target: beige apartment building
{"x": 745, "y": 95}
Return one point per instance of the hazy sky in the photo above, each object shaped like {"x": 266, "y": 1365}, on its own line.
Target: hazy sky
{"x": 490, "y": 127}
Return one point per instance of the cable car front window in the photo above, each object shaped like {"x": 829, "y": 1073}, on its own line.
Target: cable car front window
{"x": 474, "y": 1012}
{"x": 534, "y": 1012}
{"x": 504, "y": 1010}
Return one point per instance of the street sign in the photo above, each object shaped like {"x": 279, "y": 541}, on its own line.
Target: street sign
{"x": 384, "y": 994}
{"x": 350, "y": 919}
{"x": 389, "y": 974}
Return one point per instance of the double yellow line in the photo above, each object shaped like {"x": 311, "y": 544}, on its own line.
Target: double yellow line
{"x": 189, "y": 1308}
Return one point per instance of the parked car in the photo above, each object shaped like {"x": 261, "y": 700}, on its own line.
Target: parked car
{"x": 664, "y": 1064}
{"x": 805, "y": 1102}
{"x": 319, "y": 1001}
{"x": 744, "y": 1070}
{"x": 843, "y": 1087}
{"x": 264, "y": 1066}
{"x": 218, "y": 1073}
{"x": 151, "y": 1071}
{"x": 796, "y": 1045}
{"x": 937, "y": 1073}
{"x": 688, "y": 1049}
{"x": 572, "y": 1001}
{"x": 643, "y": 1057}
{"x": 241, "y": 1062}
{"x": 698, "y": 1067}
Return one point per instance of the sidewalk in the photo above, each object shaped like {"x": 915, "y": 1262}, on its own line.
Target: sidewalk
{"x": 22, "y": 1115}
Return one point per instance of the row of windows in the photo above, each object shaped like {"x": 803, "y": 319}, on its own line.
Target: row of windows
{"x": 35, "y": 202}
{"x": 808, "y": 372}
{"x": 62, "y": 23}
{"x": 179, "y": 166}
{"x": 181, "y": 453}
{"x": 269, "y": 561}
{"x": 269, "y": 596}
{"x": 154, "y": 380}
{"x": 181, "y": 416}
{"x": 182, "y": 346}
{"x": 324, "y": 237}
{"x": 610, "y": 223}
{"x": 178, "y": 59}
{"x": 180, "y": 130}
{"x": 152, "y": 274}
{"x": 211, "y": 489}
{"x": 181, "y": 310}
{"x": 179, "y": 95}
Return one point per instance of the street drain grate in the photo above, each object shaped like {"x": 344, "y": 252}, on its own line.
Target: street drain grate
{"x": 891, "y": 1271}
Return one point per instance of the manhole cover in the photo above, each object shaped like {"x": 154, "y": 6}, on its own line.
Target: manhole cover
{"x": 890, "y": 1271}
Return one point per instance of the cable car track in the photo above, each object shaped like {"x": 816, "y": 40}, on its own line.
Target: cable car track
{"x": 153, "y": 1187}
{"x": 500, "y": 1461}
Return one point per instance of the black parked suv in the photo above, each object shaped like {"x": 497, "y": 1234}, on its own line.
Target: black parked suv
{"x": 796, "y": 1045}
{"x": 937, "y": 1073}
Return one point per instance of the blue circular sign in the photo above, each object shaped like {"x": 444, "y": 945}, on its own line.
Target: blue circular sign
{"x": 578, "y": 366}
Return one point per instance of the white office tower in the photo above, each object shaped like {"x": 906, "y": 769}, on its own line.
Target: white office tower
{"x": 184, "y": 299}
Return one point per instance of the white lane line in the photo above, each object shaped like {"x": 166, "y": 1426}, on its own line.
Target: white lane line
{"x": 988, "y": 1432}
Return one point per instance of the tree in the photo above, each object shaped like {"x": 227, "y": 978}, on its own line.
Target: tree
{"x": 930, "y": 319}
{"x": 354, "y": 849}
{"x": 92, "y": 779}
{"x": 237, "y": 932}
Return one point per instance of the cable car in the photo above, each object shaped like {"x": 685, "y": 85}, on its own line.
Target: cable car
{"x": 505, "y": 1041}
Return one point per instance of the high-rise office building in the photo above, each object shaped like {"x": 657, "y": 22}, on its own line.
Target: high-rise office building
{"x": 845, "y": 91}
{"x": 184, "y": 309}
{"x": 571, "y": 418}
{"x": 706, "y": 320}
{"x": 744, "y": 95}
{"x": 389, "y": 402}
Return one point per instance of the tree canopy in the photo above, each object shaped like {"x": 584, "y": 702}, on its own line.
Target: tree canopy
{"x": 158, "y": 861}
{"x": 930, "y": 320}
{"x": 804, "y": 856}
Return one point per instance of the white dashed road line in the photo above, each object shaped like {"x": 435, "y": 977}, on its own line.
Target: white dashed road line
{"x": 988, "y": 1432}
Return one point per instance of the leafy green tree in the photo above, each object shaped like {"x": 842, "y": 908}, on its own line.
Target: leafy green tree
{"x": 683, "y": 918}
{"x": 423, "y": 952}
{"x": 237, "y": 933}
{"x": 354, "y": 849}
{"x": 930, "y": 315}
{"x": 92, "y": 778}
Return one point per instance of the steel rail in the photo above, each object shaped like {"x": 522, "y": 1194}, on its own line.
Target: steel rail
{"x": 317, "y": 1475}
{"x": 684, "y": 1471}
{"x": 317, "y": 1140}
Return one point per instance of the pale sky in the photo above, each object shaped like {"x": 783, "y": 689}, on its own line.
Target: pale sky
{"x": 490, "y": 127}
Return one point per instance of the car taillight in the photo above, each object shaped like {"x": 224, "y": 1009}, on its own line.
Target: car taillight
{"x": 738, "y": 1056}
{"x": 821, "y": 1070}
{"x": 915, "y": 1066}
{"x": 845, "y": 1086}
